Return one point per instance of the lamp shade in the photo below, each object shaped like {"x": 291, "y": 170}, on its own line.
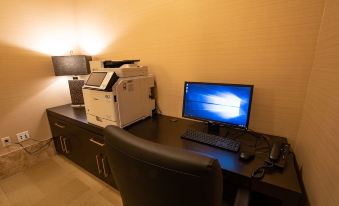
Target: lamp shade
{"x": 71, "y": 65}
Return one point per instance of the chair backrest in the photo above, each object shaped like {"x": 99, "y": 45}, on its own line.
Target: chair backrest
{"x": 150, "y": 174}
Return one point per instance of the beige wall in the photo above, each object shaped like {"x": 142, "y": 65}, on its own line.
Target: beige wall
{"x": 30, "y": 32}
{"x": 318, "y": 138}
{"x": 266, "y": 43}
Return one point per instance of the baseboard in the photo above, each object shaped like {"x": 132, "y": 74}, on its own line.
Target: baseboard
{"x": 19, "y": 159}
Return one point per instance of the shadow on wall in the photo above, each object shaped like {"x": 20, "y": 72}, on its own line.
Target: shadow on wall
{"x": 270, "y": 45}
{"x": 27, "y": 87}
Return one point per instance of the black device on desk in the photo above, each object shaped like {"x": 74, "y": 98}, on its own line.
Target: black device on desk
{"x": 277, "y": 159}
{"x": 71, "y": 123}
{"x": 278, "y": 154}
{"x": 212, "y": 140}
{"x": 217, "y": 104}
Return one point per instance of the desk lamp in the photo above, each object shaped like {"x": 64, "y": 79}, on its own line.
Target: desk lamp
{"x": 73, "y": 65}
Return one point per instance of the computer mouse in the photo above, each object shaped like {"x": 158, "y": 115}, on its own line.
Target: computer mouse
{"x": 246, "y": 155}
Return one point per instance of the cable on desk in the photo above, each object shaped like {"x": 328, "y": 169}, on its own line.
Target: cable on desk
{"x": 241, "y": 134}
{"x": 285, "y": 152}
{"x": 260, "y": 136}
{"x": 257, "y": 136}
{"x": 259, "y": 172}
{"x": 157, "y": 108}
{"x": 258, "y": 150}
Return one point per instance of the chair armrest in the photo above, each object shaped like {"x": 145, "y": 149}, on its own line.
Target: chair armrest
{"x": 242, "y": 198}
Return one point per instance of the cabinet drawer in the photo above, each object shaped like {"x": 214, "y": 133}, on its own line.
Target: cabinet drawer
{"x": 92, "y": 146}
{"x": 58, "y": 127}
{"x": 82, "y": 146}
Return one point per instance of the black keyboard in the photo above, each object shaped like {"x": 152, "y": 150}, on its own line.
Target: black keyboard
{"x": 213, "y": 140}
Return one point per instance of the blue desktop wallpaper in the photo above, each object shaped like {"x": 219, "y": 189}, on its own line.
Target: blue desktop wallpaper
{"x": 221, "y": 103}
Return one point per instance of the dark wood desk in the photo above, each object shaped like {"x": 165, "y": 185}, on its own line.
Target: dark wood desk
{"x": 283, "y": 185}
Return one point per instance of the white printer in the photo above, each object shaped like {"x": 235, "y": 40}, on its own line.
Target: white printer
{"x": 118, "y": 96}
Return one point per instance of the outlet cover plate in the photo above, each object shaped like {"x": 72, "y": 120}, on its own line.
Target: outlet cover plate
{"x": 6, "y": 141}
{"x": 22, "y": 136}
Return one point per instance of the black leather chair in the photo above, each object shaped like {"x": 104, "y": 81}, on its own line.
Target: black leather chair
{"x": 150, "y": 174}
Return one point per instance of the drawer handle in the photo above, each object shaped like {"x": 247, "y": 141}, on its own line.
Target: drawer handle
{"x": 59, "y": 125}
{"x": 66, "y": 149}
{"x": 104, "y": 167}
{"x": 62, "y": 144}
{"x": 98, "y": 164}
{"x": 97, "y": 143}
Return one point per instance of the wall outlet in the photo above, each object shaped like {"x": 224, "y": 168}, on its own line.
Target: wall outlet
{"x": 22, "y": 136}
{"x": 6, "y": 141}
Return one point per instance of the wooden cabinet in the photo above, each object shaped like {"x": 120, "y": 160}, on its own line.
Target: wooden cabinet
{"x": 83, "y": 143}
{"x": 59, "y": 131}
{"x": 82, "y": 146}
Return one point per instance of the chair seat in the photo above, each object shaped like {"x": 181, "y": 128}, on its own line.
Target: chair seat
{"x": 147, "y": 172}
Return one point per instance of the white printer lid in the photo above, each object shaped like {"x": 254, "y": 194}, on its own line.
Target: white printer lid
{"x": 126, "y": 70}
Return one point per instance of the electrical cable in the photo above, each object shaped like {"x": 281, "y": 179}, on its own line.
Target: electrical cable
{"x": 38, "y": 140}
{"x": 259, "y": 172}
{"x": 260, "y": 136}
{"x": 241, "y": 134}
{"x": 157, "y": 108}
{"x": 254, "y": 134}
{"x": 32, "y": 152}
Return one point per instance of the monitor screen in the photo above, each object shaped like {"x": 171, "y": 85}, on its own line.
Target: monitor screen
{"x": 222, "y": 103}
{"x": 96, "y": 78}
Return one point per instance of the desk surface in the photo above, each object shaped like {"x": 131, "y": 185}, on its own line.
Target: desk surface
{"x": 167, "y": 130}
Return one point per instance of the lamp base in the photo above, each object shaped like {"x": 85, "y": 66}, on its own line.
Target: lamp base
{"x": 75, "y": 90}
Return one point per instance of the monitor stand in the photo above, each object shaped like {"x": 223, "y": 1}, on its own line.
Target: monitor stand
{"x": 213, "y": 128}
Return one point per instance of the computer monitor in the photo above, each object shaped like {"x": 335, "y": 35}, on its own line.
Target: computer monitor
{"x": 228, "y": 104}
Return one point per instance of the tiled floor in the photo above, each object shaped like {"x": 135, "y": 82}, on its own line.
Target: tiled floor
{"x": 57, "y": 182}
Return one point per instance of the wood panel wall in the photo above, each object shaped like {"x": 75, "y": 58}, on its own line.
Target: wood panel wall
{"x": 318, "y": 138}
{"x": 266, "y": 43}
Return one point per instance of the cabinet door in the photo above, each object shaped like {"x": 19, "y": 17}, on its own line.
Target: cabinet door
{"x": 82, "y": 147}
{"x": 109, "y": 178}
{"x": 77, "y": 146}
{"x": 67, "y": 139}
{"x": 59, "y": 131}
{"x": 94, "y": 159}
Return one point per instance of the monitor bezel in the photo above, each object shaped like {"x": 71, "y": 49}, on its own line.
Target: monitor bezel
{"x": 219, "y": 122}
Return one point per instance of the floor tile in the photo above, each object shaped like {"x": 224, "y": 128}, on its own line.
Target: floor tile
{"x": 90, "y": 198}
{"x": 48, "y": 175}
{"x": 56, "y": 182}
{"x": 111, "y": 195}
{"x": 3, "y": 199}
{"x": 20, "y": 190}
